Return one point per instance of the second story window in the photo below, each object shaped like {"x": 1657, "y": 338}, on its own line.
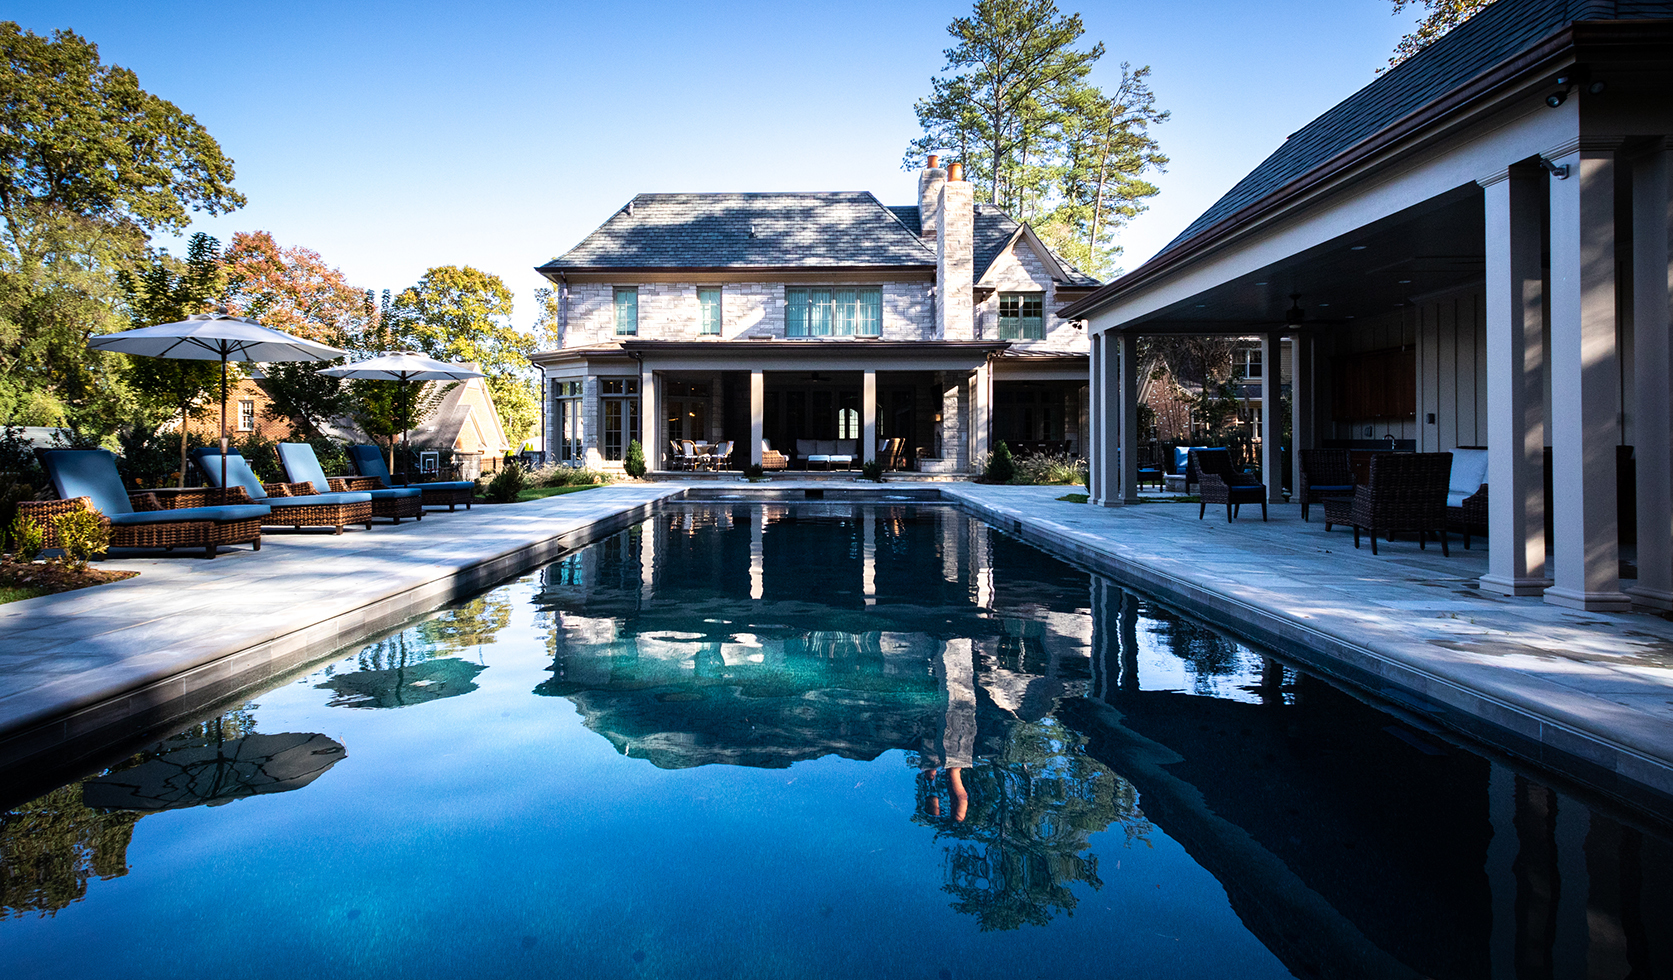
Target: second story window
{"x": 247, "y": 416}
{"x": 627, "y": 311}
{"x": 708, "y": 312}
{"x": 1246, "y": 363}
{"x": 845, "y": 311}
{"x": 1022, "y": 316}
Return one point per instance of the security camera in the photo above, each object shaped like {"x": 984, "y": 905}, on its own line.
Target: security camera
{"x": 1556, "y": 99}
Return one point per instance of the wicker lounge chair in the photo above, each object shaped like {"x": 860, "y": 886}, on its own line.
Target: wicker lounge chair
{"x": 1222, "y": 484}
{"x": 772, "y": 459}
{"x": 1324, "y": 473}
{"x": 1405, "y": 492}
{"x": 300, "y": 464}
{"x": 369, "y": 461}
{"x": 293, "y": 504}
{"x": 86, "y": 479}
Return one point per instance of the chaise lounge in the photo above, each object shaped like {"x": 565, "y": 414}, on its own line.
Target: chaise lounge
{"x": 86, "y": 479}
{"x": 293, "y": 504}
{"x": 368, "y": 460}
{"x": 300, "y": 464}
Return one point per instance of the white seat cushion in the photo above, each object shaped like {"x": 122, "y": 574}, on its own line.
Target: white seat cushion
{"x": 1469, "y": 472}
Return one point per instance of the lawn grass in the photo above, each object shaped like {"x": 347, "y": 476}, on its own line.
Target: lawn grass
{"x": 540, "y": 493}
{"x": 1074, "y": 498}
{"x": 12, "y": 593}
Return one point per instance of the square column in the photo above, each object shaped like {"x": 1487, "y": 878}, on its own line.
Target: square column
{"x": 1091, "y": 441}
{"x": 868, "y": 418}
{"x": 1652, "y": 318}
{"x": 1126, "y": 488}
{"x": 1301, "y": 403}
{"x": 1272, "y": 419}
{"x": 650, "y": 419}
{"x": 757, "y": 411}
{"x": 1585, "y": 382}
{"x": 1515, "y": 383}
{"x": 981, "y": 385}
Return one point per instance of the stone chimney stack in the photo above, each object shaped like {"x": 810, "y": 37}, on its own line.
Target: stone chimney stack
{"x": 930, "y": 180}
{"x": 955, "y": 272}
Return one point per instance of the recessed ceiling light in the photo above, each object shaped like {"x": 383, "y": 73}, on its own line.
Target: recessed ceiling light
{"x": 1350, "y": 316}
{"x": 1260, "y": 283}
{"x": 1201, "y": 305}
{"x": 1405, "y": 282}
{"x": 1324, "y": 304}
{"x": 1357, "y": 248}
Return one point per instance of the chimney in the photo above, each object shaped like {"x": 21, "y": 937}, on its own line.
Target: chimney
{"x": 930, "y": 180}
{"x": 955, "y": 272}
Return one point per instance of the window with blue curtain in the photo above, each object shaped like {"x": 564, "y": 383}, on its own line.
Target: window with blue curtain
{"x": 1022, "y": 316}
{"x": 708, "y": 311}
{"x": 845, "y": 311}
{"x": 627, "y": 310}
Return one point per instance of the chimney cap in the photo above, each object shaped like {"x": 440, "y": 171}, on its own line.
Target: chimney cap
{"x": 934, "y": 158}
{"x": 955, "y": 171}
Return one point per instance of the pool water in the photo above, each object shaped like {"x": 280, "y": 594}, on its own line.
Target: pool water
{"x": 811, "y": 740}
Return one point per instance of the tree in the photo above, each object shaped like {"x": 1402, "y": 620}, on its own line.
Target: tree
{"x": 458, "y": 313}
{"x": 1443, "y": 16}
{"x": 164, "y": 292}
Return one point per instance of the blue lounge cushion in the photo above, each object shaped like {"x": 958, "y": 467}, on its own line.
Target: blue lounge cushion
{"x": 302, "y": 466}
{"x": 321, "y": 499}
{"x": 447, "y": 485}
{"x": 393, "y": 493}
{"x": 227, "y": 512}
{"x": 368, "y": 461}
{"x": 1330, "y": 487}
{"x": 239, "y": 474}
{"x": 88, "y": 473}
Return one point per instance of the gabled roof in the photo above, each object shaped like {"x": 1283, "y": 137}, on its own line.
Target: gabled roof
{"x": 995, "y": 231}
{"x": 822, "y": 229}
{"x": 1499, "y": 32}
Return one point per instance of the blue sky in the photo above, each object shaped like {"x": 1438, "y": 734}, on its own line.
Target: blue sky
{"x": 392, "y": 137}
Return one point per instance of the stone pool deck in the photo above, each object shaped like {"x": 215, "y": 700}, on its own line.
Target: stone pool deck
{"x": 1589, "y": 694}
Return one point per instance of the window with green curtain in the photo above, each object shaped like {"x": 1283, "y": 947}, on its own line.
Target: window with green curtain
{"x": 627, "y": 310}
{"x": 843, "y": 311}
{"x": 708, "y": 310}
{"x": 1022, "y": 316}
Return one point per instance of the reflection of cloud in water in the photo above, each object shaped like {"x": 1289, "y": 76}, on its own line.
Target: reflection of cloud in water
{"x": 215, "y": 774}
{"x": 400, "y": 687}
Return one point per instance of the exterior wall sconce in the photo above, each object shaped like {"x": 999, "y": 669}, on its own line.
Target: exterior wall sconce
{"x": 1561, "y": 173}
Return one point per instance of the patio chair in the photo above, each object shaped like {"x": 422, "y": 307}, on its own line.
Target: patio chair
{"x": 676, "y": 456}
{"x": 1324, "y": 473}
{"x": 695, "y": 458}
{"x": 1182, "y": 463}
{"x": 721, "y": 456}
{"x": 1466, "y": 493}
{"x": 1404, "y": 492}
{"x": 1222, "y": 484}
{"x": 1149, "y": 470}
{"x": 772, "y": 459}
{"x": 86, "y": 479}
{"x": 368, "y": 461}
{"x": 295, "y": 504}
{"x": 300, "y": 464}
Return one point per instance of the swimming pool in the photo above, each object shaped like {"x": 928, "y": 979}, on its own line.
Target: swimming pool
{"x": 821, "y": 739}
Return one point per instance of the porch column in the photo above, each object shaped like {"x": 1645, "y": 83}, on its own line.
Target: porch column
{"x": 1301, "y": 402}
{"x": 1092, "y": 440}
{"x": 980, "y": 398}
{"x": 1126, "y": 489}
{"x": 1272, "y": 418}
{"x": 757, "y": 409}
{"x": 1652, "y": 318}
{"x": 868, "y": 417}
{"x": 1515, "y": 384}
{"x": 1585, "y": 381}
{"x": 650, "y": 413}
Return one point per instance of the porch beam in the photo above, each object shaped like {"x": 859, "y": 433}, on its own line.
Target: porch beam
{"x": 1272, "y": 419}
{"x": 1652, "y": 319}
{"x": 1585, "y": 381}
{"x": 757, "y": 413}
{"x": 868, "y": 418}
{"x": 1515, "y": 299}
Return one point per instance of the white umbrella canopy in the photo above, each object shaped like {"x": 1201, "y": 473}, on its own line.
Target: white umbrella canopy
{"x": 406, "y": 368}
{"x": 214, "y": 337}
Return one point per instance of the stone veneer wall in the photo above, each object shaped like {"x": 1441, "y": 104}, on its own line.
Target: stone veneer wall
{"x": 1019, "y": 270}
{"x": 668, "y": 311}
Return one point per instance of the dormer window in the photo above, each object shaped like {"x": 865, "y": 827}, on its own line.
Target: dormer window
{"x": 1022, "y": 316}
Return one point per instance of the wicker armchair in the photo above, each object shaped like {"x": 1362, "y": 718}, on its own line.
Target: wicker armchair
{"x": 1222, "y": 484}
{"x": 1404, "y": 492}
{"x": 1324, "y": 473}
{"x": 772, "y": 459}
{"x": 1470, "y": 516}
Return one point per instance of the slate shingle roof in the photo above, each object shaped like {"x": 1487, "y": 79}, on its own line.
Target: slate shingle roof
{"x": 993, "y": 231}
{"x": 1499, "y": 32}
{"x": 729, "y": 231}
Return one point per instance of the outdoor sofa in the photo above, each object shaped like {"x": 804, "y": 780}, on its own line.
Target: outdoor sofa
{"x": 294, "y": 504}
{"x": 86, "y": 479}
{"x": 827, "y": 451}
{"x": 300, "y": 464}
{"x": 368, "y": 460}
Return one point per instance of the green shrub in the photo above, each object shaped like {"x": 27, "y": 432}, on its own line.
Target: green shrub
{"x": 872, "y": 470}
{"x": 635, "y": 462}
{"x": 82, "y": 535}
{"x": 1049, "y": 468}
{"x": 754, "y": 471}
{"x": 28, "y": 538}
{"x": 505, "y": 487}
{"x": 568, "y": 476}
{"x": 1001, "y": 467}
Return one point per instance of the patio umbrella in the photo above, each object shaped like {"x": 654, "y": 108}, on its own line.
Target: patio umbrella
{"x": 216, "y": 773}
{"x": 215, "y": 337}
{"x": 406, "y": 368}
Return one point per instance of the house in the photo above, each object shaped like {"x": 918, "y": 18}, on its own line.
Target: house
{"x": 795, "y": 317}
{"x": 1472, "y": 250}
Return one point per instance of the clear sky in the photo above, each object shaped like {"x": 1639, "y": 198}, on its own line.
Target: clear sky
{"x": 392, "y": 137}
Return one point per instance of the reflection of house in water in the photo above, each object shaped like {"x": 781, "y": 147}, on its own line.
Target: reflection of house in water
{"x": 1353, "y": 847}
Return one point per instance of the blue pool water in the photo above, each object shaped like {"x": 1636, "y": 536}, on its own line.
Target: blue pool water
{"x": 724, "y": 743}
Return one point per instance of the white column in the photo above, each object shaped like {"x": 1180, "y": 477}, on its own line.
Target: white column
{"x": 757, "y": 411}
{"x": 1272, "y": 418}
{"x": 981, "y": 383}
{"x": 1091, "y": 443}
{"x": 1585, "y": 382}
{"x": 868, "y": 417}
{"x": 1127, "y": 478}
{"x": 650, "y": 417}
{"x": 1515, "y": 384}
{"x": 1652, "y": 318}
{"x": 1301, "y": 402}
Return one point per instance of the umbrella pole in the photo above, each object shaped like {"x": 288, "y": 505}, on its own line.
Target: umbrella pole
{"x": 223, "y": 426}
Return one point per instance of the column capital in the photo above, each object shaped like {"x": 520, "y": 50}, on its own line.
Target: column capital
{"x": 1584, "y": 144}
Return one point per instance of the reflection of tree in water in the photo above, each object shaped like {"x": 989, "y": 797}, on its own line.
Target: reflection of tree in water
{"x": 1024, "y": 840}
{"x": 1209, "y": 653}
{"x": 50, "y": 846}
{"x": 473, "y": 624}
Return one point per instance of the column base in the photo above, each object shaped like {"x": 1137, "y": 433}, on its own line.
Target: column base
{"x": 1110, "y": 502}
{"x": 1513, "y": 586}
{"x": 1589, "y": 601}
{"x": 1654, "y": 598}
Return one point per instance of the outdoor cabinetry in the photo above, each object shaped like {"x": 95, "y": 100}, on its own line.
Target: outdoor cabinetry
{"x": 1378, "y": 384}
